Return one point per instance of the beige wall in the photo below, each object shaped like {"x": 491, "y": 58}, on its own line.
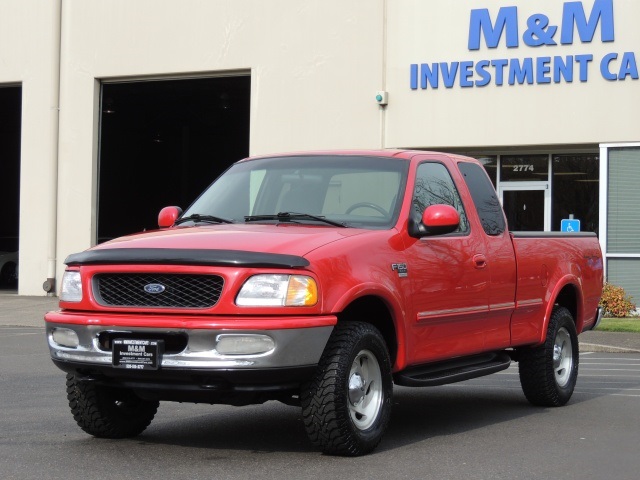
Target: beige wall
{"x": 438, "y": 30}
{"x": 28, "y": 56}
{"x": 315, "y": 68}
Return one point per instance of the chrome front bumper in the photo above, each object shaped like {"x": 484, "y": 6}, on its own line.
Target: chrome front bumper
{"x": 292, "y": 347}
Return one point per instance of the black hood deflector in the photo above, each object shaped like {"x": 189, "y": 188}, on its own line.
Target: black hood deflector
{"x": 172, "y": 256}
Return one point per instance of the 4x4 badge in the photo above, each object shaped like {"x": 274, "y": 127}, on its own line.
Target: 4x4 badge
{"x": 401, "y": 268}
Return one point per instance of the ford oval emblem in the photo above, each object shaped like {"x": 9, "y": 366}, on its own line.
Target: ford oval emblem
{"x": 154, "y": 288}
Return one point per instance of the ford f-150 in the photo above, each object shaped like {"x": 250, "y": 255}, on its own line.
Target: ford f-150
{"x": 321, "y": 280}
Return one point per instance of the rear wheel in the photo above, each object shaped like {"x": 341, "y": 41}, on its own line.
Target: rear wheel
{"x": 108, "y": 412}
{"x": 548, "y": 373}
{"x": 346, "y": 407}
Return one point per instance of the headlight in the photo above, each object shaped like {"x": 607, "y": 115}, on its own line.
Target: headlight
{"x": 278, "y": 290}
{"x": 71, "y": 287}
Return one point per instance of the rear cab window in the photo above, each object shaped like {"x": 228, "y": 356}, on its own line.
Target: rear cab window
{"x": 485, "y": 198}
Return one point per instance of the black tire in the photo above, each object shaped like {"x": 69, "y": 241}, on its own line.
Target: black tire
{"x": 347, "y": 405}
{"x": 108, "y": 412}
{"x": 548, "y": 373}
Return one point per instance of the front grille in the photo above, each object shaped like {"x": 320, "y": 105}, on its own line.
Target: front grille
{"x": 172, "y": 290}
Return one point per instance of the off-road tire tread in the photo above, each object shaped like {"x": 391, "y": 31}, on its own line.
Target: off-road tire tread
{"x": 94, "y": 410}
{"x": 324, "y": 400}
{"x": 536, "y": 371}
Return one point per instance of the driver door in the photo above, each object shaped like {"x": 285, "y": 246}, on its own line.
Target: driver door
{"x": 449, "y": 278}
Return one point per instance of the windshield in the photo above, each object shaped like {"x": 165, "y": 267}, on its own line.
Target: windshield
{"x": 363, "y": 192}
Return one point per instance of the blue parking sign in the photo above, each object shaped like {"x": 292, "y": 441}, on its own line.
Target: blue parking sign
{"x": 569, "y": 225}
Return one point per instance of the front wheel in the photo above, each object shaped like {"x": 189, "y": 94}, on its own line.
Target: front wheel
{"x": 347, "y": 405}
{"x": 548, "y": 373}
{"x": 108, "y": 412}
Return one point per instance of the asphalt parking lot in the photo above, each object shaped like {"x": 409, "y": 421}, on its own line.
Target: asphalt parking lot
{"x": 481, "y": 429}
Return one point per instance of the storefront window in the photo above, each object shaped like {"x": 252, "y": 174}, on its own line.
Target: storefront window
{"x": 575, "y": 190}
{"x": 538, "y": 191}
{"x": 524, "y": 168}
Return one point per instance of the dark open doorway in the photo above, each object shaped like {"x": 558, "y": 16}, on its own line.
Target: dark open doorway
{"x": 10, "y": 138}
{"x": 163, "y": 142}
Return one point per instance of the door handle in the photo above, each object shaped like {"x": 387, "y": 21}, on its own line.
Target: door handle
{"x": 479, "y": 261}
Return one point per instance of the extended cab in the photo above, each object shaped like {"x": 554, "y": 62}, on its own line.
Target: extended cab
{"x": 320, "y": 280}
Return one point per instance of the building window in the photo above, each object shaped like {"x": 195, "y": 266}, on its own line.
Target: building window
{"x": 524, "y": 168}
{"x": 525, "y": 182}
{"x": 623, "y": 200}
{"x": 624, "y": 273}
{"x": 575, "y": 190}
{"x": 620, "y": 236}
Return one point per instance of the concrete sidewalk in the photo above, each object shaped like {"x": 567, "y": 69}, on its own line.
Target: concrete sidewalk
{"x": 22, "y": 311}
{"x": 615, "y": 342}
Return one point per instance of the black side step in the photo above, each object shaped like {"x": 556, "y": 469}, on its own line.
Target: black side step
{"x": 452, "y": 371}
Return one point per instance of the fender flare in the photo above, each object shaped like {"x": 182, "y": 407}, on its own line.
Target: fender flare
{"x": 568, "y": 280}
{"x": 393, "y": 302}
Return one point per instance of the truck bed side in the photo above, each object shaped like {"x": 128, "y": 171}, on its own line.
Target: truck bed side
{"x": 554, "y": 268}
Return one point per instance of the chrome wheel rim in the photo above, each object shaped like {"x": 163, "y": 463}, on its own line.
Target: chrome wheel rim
{"x": 365, "y": 390}
{"x": 562, "y": 357}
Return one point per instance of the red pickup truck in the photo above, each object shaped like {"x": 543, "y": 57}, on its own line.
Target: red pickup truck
{"x": 320, "y": 280}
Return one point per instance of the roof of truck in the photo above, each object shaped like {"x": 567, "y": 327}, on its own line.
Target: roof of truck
{"x": 390, "y": 153}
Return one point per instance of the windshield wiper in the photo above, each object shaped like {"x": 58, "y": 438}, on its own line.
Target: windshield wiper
{"x": 196, "y": 217}
{"x": 291, "y": 217}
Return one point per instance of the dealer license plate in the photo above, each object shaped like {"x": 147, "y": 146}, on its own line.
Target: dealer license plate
{"x": 133, "y": 354}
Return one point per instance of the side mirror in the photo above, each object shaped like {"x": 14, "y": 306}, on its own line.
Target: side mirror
{"x": 436, "y": 220}
{"x": 440, "y": 219}
{"x": 168, "y": 216}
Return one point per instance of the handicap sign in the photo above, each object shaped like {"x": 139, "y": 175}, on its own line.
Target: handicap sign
{"x": 569, "y": 225}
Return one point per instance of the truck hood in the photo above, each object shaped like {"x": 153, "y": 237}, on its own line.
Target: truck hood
{"x": 281, "y": 238}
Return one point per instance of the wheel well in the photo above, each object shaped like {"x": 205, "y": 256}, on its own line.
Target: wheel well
{"x": 568, "y": 299}
{"x": 375, "y": 311}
